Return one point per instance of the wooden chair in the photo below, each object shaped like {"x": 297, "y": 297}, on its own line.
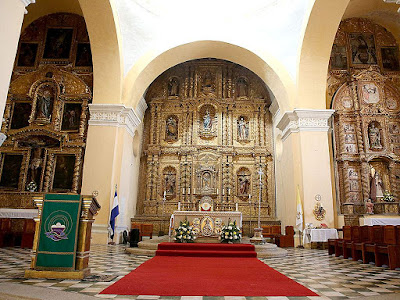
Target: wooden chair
{"x": 365, "y": 237}
{"x": 389, "y": 253}
{"x": 287, "y": 240}
{"x": 146, "y": 230}
{"x": 266, "y": 230}
{"x": 369, "y": 249}
{"x": 28, "y": 234}
{"x": 6, "y": 237}
{"x": 275, "y": 231}
{"x": 340, "y": 242}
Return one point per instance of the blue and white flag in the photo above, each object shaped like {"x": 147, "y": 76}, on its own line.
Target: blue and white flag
{"x": 114, "y": 214}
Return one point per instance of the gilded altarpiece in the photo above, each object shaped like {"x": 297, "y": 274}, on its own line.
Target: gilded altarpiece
{"x": 364, "y": 85}
{"x": 46, "y": 113}
{"x": 208, "y": 131}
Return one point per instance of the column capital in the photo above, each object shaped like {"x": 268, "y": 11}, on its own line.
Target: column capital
{"x": 115, "y": 115}
{"x": 304, "y": 120}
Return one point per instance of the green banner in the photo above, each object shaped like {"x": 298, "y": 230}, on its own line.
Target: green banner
{"x": 58, "y": 233}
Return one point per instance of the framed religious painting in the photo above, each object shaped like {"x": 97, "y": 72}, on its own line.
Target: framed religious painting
{"x": 20, "y": 115}
{"x": 83, "y": 55}
{"x": 71, "y": 117}
{"x": 10, "y": 170}
{"x": 58, "y": 43}
{"x": 362, "y": 49}
{"x": 338, "y": 59}
{"x": 390, "y": 58}
{"x": 27, "y": 53}
{"x": 63, "y": 172}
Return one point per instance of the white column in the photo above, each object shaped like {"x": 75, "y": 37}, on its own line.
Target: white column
{"x": 111, "y": 159}
{"x": 306, "y": 148}
{"x": 11, "y": 18}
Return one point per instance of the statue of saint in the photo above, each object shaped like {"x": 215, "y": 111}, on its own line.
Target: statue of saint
{"x": 44, "y": 103}
{"x": 207, "y": 120}
{"x": 244, "y": 185}
{"x": 171, "y": 128}
{"x": 374, "y": 135}
{"x": 376, "y": 186}
{"x": 243, "y": 129}
{"x": 369, "y": 207}
{"x": 170, "y": 184}
{"x": 241, "y": 88}
{"x": 173, "y": 87}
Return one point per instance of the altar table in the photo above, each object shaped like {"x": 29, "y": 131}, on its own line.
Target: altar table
{"x": 205, "y": 223}
{"x": 319, "y": 235}
{"x": 13, "y": 213}
{"x": 381, "y": 221}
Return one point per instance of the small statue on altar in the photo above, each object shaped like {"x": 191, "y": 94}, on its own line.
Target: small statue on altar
{"x": 369, "y": 207}
{"x": 376, "y": 186}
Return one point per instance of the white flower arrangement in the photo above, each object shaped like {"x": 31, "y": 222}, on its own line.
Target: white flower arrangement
{"x": 230, "y": 233}
{"x": 184, "y": 233}
{"x": 388, "y": 197}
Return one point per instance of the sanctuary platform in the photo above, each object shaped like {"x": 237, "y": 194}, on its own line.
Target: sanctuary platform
{"x": 149, "y": 247}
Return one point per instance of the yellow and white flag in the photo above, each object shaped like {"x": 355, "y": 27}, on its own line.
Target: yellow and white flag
{"x": 299, "y": 215}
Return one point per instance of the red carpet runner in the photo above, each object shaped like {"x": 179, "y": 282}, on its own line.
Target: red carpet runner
{"x": 217, "y": 270}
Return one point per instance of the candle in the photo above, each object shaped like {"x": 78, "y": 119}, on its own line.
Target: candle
{"x": 179, "y": 205}
{"x": 223, "y": 192}
{"x": 229, "y": 191}
{"x": 183, "y": 190}
{"x": 188, "y": 190}
{"x": 165, "y": 193}
{"x": 237, "y": 206}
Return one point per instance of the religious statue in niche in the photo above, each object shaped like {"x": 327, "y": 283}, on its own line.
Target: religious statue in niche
{"x": 243, "y": 129}
{"x": 170, "y": 183}
{"x": 208, "y": 82}
{"x": 374, "y": 136}
{"x": 171, "y": 129}
{"x": 242, "y": 87}
{"x": 35, "y": 168}
{"x": 207, "y": 122}
{"x": 44, "y": 103}
{"x": 173, "y": 87}
{"x": 376, "y": 186}
{"x": 370, "y": 93}
{"x": 206, "y": 182}
{"x": 362, "y": 49}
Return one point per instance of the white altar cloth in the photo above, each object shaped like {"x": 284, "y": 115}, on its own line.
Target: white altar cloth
{"x": 319, "y": 235}
{"x": 18, "y": 213}
{"x": 381, "y": 221}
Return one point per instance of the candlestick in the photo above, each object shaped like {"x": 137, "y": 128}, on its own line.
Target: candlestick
{"x": 179, "y": 205}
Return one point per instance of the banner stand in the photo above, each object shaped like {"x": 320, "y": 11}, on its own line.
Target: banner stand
{"x": 61, "y": 244}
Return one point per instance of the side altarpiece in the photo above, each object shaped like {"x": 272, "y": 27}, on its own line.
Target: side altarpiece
{"x": 364, "y": 85}
{"x": 46, "y": 113}
{"x": 207, "y": 132}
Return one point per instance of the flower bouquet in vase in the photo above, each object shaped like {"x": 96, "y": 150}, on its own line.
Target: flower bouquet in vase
{"x": 184, "y": 233}
{"x": 388, "y": 197}
{"x": 230, "y": 233}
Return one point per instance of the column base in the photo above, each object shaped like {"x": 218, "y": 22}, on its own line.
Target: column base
{"x": 57, "y": 274}
{"x": 258, "y": 238}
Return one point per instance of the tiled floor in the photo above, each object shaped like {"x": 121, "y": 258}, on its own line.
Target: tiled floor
{"x": 330, "y": 277}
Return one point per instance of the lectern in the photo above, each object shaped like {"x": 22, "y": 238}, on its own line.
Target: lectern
{"x": 62, "y": 238}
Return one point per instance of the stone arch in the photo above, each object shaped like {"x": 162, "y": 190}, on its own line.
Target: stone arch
{"x": 314, "y": 55}
{"x": 150, "y": 66}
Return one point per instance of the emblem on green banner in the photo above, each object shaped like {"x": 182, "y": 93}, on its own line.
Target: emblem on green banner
{"x": 58, "y": 225}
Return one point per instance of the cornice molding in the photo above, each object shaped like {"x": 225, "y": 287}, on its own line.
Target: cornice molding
{"x": 26, "y": 3}
{"x": 274, "y": 108}
{"x": 141, "y": 108}
{"x": 115, "y": 115}
{"x": 304, "y": 120}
